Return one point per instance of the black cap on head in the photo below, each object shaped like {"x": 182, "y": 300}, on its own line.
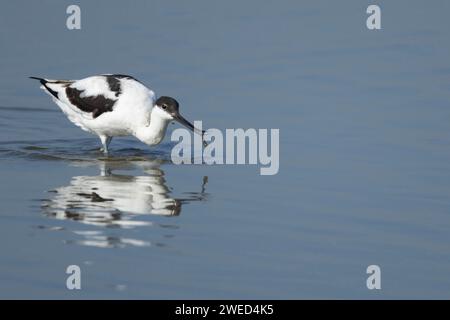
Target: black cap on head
{"x": 168, "y": 104}
{"x": 171, "y": 106}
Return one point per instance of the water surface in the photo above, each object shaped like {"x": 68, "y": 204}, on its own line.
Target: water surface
{"x": 364, "y": 152}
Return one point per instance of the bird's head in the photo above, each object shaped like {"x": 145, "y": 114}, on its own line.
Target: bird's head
{"x": 168, "y": 108}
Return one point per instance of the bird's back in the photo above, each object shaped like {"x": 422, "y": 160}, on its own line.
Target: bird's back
{"x": 110, "y": 104}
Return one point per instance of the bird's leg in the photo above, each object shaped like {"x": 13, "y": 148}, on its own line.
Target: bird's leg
{"x": 105, "y": 142}
{"x": 104, "y": 170}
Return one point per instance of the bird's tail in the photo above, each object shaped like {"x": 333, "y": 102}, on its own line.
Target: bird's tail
{"x": 41, "y": 80}
{"x": 44, "y": 84}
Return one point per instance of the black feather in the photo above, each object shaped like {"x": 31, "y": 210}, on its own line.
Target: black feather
{"x": 96, "y": 105}
{"x": 44, "y": 83}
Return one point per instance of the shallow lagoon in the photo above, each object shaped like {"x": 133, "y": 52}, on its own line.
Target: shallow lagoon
{"x": 364, "y": 158}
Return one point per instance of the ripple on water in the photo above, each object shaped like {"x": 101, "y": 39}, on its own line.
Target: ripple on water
{"x": 81, "y": 150}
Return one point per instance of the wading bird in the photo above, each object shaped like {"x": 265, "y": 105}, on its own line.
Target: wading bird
{"x": 113, "y": 105}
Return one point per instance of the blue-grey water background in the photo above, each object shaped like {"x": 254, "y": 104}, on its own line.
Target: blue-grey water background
{"x": 364, "y": 119}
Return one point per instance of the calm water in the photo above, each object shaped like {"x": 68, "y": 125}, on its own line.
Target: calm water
{"x": 364, "y": 177}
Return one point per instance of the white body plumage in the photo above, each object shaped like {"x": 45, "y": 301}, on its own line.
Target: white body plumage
{"x": 114, "y": 105}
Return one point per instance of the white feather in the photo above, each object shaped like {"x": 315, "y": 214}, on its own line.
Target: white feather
{"x": 133, "y": 111}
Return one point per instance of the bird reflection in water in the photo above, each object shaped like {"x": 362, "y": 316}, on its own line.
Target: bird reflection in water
{"x": 118, "y": 201}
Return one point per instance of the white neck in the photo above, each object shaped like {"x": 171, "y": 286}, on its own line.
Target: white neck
{"x": 155, "y": 132}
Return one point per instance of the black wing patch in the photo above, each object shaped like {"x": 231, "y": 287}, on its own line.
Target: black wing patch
{"x": 114, "y": 84}
{"x": 97, "y": 105}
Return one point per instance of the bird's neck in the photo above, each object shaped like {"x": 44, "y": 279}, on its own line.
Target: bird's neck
{"x": 153, "y": 133}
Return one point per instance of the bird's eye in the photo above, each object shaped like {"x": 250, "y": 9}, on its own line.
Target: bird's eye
{"x": 164, "y": 106}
